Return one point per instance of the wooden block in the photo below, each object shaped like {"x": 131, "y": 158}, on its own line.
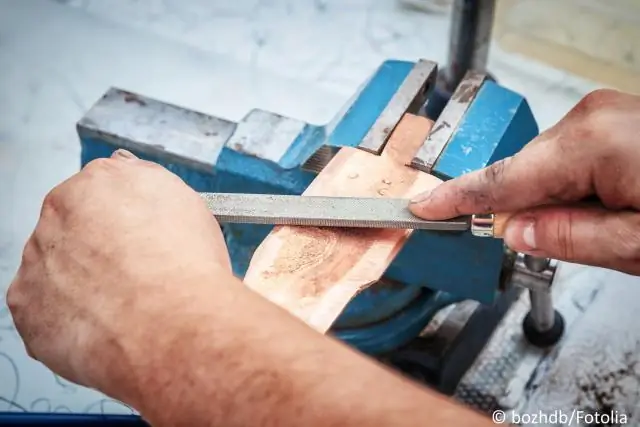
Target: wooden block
{"x": 314, "y": 272}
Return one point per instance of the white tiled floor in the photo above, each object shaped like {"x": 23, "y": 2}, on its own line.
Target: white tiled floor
{"x": 300, "y": 58}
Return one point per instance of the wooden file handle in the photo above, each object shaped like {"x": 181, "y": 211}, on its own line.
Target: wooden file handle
{"x": 500, "y": 224}
{"x": 494, "y": 225}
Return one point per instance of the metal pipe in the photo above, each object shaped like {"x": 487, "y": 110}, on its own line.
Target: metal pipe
{"x": 542, "y": 311}
{"x": 528, "y": 278}
{"x": 536, "y": 275}
{"x": 536, "y": 264}
{"x": 469, "y": 39}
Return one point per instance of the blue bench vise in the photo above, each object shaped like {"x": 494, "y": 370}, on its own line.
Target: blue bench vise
{"x": 268, "y": 153}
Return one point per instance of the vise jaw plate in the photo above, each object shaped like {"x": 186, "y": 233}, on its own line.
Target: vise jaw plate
{"x": 409, "y": 98}
{"x": 448, "y": 121}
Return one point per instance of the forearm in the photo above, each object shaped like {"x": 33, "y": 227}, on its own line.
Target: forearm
{"x": 242, "y": 361}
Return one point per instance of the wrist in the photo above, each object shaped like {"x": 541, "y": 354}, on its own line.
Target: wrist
{"x": 157, "y": 341}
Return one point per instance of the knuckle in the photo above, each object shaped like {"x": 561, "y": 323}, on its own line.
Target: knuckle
{"x": 30, "y": 251}
{"x": 486, "y": 195}
{"x": 594, "y": 112}
{"x": 495, "y": 173}
{"x": 151, "y": 165}
{"x": 13, "y": 296}
{"x": 565, "y": 244}
{"x": 98, "y": 165}
{"x": 51, "y": 203}
{"x": 595, "y": 100}
{"x": 627, "y": 238}
{"x": 630, "y": 248}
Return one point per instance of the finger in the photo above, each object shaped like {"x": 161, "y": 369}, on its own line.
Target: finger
{"x": 592, "y": 236}
{"x": 132, "y": 160}
{"x": 545, "y": 171}
{"x": 121, "y": 154}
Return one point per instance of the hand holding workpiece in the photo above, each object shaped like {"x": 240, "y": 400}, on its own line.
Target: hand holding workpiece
{"x": 593, "y": 152}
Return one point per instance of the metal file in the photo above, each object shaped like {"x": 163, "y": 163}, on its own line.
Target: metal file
{"x": 322, "y": 212}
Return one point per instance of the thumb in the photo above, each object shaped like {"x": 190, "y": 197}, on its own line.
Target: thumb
{"x": 591, "y": 236}
{"x": 547, "y": 170}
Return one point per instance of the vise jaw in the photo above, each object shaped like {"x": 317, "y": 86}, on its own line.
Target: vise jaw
{"x": 271, "y": 154}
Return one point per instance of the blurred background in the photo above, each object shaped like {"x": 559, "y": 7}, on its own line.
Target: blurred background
{"x": 298, "y": 58}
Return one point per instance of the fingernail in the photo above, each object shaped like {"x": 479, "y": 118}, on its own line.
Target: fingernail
{"x": 123, "y": 154}
{"x": 421, "y": 197}
{"x": 529, "y": 235}
{"x": 520, "y": 235}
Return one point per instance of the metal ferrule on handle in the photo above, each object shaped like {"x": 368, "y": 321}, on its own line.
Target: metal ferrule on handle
{"x": 482, "y": 225}
{"x": 490, "y": 224}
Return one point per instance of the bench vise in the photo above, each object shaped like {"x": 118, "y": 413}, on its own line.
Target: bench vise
{"x": 271, "y": 154}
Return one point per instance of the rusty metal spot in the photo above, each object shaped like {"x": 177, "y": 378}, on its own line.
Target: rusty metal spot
{"x": 132, "y": 97}
{"x": 465, "y": 92}
{"x": 239, "y": 147}
{"x": 385, "y": 284}
{"x": 443, "y": 125}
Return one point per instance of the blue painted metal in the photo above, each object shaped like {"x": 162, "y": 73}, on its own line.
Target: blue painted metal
{"x": 389, "y": 334}
{"x": 237, "y": 168}
{"x": 497, "y": 124}
{"x": 380, "y": 302}
{"x": 458, "y": 263}
{"x": 369, "y": 104}
{"x": 40, "y": 419}
{"x": 348, "y": 129}
{"x": 248, "y": 157}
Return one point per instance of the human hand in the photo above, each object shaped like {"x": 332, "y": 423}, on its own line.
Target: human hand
{"x": 593, "y": 151}
{"x": 126, "y": 287}
{"x": 120, "y": 249}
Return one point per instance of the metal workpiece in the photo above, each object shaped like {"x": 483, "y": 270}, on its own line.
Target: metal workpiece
{"x": 447, "y": 122}
{"x": 410, "y": 98}
{"x": 322, "y": 212}
{"x": 469, "y": 39}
